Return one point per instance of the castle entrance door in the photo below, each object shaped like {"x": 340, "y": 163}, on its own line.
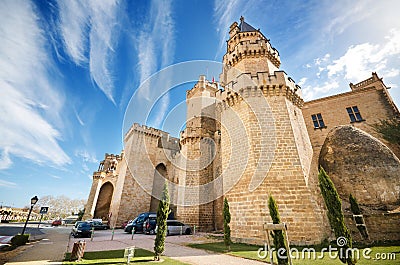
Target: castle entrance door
{"x": 104, "y": 201}
{"x": 160, "y": 175}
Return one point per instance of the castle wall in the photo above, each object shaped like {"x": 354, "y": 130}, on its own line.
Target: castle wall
{"x": 285, "y": 180}
{"x": 372, "y": 104}
{"x": 143, "y": 153}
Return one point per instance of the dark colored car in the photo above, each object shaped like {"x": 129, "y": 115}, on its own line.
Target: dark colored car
{"x": 137, "y": 223}
{"x": 99, "y": 225}
{"x": 82, "y": 229}
{"x": 149, "y": 226}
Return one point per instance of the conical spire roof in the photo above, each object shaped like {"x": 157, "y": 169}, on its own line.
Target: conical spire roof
{"x": 245, "y": 26}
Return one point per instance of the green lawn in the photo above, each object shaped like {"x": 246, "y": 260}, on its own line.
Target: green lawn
{"x": 250, "y": 252}
{"x": 116, "y": 257}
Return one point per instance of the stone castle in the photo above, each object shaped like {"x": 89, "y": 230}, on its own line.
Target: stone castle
{"x": 255, "y": 137}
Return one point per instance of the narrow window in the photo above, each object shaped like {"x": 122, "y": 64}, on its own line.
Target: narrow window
{"x": 318, "y": 121}
{"x": 354, "y": 114}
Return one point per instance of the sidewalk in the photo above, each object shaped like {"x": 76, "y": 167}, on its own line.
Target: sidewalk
{"x": 174, "y": 248}
{"x": 49, "y": 249}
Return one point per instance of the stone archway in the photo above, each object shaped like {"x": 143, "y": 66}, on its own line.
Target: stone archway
{"x": 104, "y": 201}
{"x": 160, "y": 174}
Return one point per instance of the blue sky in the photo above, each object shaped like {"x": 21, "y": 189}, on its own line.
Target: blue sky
{"x": 69, "y": 68}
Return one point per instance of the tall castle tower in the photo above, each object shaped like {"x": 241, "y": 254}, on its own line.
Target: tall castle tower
{"x": 261, "y": 105}
{"x": 198, "y": 147}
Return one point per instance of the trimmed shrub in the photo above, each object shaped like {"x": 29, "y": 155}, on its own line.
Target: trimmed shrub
{"x": 19, "y": 240}
{"x": 227, "y": 230}
{"x": 335, "y": 216}
{"x": 277, "y": 235}
{"x": 162, "y": 214}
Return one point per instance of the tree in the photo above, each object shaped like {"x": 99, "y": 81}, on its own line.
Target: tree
{"x": 80, "y": 214}
{"x": 162, "y": 215}
{"x": 277, "y": 235}
{"x": 389, "y": 129}
{"x": 336, "y": 217}
{"x": 59, "y": 206}
{"x": 227, "y": 229}
{"x": 355, "y": 209}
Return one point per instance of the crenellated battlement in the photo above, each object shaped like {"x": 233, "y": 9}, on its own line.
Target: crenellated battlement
{"x": 366, "y": 82}
{"x": 99, "y": 175}
{"x": 202, "y": 85}
{"x": 195, "y": 134}
{"x": 246, "y": 85}
{"x": 143, "y": 129}
{"x": 250, "y": 45}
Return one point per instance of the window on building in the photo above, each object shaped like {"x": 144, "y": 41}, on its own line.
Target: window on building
{"x": 354, "y": 114}
{"x": 318, "y": 121}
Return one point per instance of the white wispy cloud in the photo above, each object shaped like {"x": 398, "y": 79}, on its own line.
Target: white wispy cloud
{"x": 228, "y": 11}
{"x": 225, "y": 12}
{"x": 5, "y": 161}
{"x": 86, "y": 156}
{"x": 8, "y": 184}
{"x": 362, "y": 59}
{"x": 355, "y": 65}
{"x": 160, "y": 29}
{"x": 89, "y": 31}
{"x": 78, "y": 118}
{"x": 74, "y": 30}
{"x": 30, "y": 106}
{"x": 344, "y": 14}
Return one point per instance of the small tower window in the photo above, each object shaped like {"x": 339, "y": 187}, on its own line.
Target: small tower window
{"x": 318, "y": 121}
{"x": 354, "y": 114}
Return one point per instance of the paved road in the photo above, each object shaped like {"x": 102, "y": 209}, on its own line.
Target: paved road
{"x": 13, "y": 229}
{"x": 49, "y": 249}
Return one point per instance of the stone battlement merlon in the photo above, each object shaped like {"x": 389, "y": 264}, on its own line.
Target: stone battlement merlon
{"x": 99, "y": 175}
{"x": 261, "y": 79}
{"x": 108, "y": 156}
{"x": 202, "y": 84}
{"x": 195, "y": 133}
{"x": 230, "y": 98}
{"x": 251, "y": 48}
{"x": 366, "y": 82}
{"x": 150, "y": 131}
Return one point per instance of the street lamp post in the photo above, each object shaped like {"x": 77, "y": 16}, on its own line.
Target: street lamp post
{"x": 34, "y": 200}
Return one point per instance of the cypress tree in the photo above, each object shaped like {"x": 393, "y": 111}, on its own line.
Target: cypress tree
{"x": 355, "y": 209}
{"x": 162, "y": 215}
{"x": 227, "y": 229}
{"x": 335, "y": 216}
{"x": 277, "y": 235}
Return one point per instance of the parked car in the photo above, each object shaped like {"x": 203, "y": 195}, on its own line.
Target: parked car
{"x": 82, "y": 229}
{"x": 124, "y": 224}
{"x": 137, "y": 223}
{"x": 56, "y": 222}
{"x": 175, "y": 227}
{"x": 99, "y": 225}
{"x": 150, "y": 224}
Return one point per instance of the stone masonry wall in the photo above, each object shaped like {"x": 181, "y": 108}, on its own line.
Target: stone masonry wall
{"x": 285, "y": 180}
{"x": 371, "y": 103}
{"x": 381, "y": 227}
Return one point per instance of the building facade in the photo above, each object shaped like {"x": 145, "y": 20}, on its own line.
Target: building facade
{"x": 247, "y": 137}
